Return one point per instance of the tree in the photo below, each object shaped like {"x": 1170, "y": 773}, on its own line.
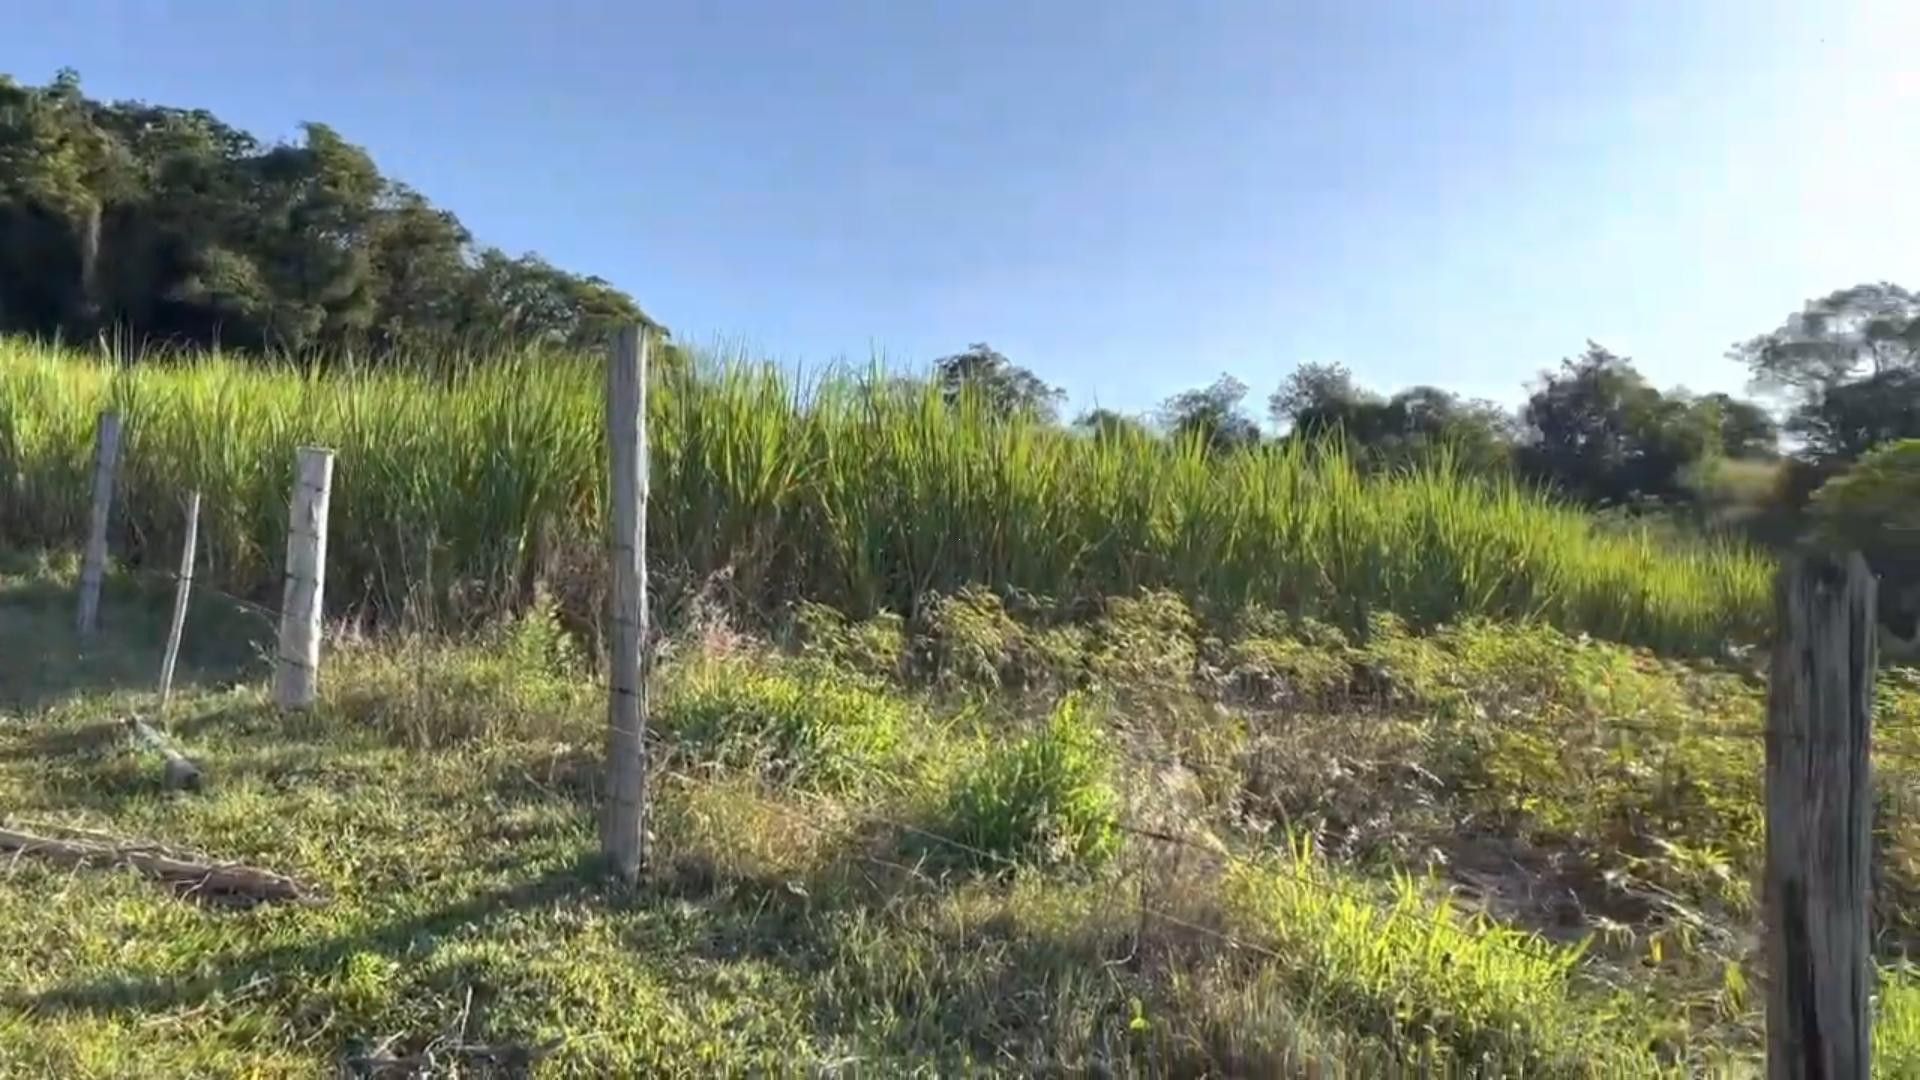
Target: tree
{"x": 1321, "y": 400}
{"x": 1849, "y": 419}
{"x": 1747, "y": 431}
{"x": 1108, "y": 424}
{"x": 168, "y": 223}
{"x": 1423, "y": 421}
{"x": 1849, "y": 364}
{"x": 1875, "y": 508}
{"x": 1867, "y": 329}
{"x": 1318, "y": 397}
{"x": 1005, "y": 388}
{"x": 1600, "y": 433}
{"x": 1213, "y": 415}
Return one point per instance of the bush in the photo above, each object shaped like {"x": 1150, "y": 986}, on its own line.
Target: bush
{"x": 1875, "y": 508}
{"x": 796, "y": 723}
{"x": 1047, "y": 798}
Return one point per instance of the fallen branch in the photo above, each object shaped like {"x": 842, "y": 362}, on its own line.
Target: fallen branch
{"x": 214, "y": 881}
{"x": 180, "y": 772}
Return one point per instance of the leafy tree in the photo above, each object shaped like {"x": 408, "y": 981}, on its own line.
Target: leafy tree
{"x": 1875, "y": 508}
{"x": 1108, "y": 424}
{"x": 1319, "y": 397}
{"x": 168, "y": 223}
{"x": 1849, "y": 419}
{"x": 1003, "y": 386}
{"x": 1601, "y": 433}
{"x": 1212, "y": 414}
{"x": 1319, "y": 400}
{"x": 1849, "y": 363}
{"x": 1868, "y": 329}
{"x": 1747, "y": 431}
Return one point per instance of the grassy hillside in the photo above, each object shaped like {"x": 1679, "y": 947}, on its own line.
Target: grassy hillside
{"x": 453, "y": 494}
{"x": 990, "y": 844}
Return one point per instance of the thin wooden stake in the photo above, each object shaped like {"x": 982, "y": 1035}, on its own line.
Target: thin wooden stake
{"x": 183, "y": 585}
{"x": 623, "y": 829}
{"x": 1819, "y": 820}
{"x": 296, "y": 672}
{"x": 93, "y": 568}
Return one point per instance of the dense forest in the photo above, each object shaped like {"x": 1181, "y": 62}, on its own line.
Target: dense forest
{"x": 168, "y": 225}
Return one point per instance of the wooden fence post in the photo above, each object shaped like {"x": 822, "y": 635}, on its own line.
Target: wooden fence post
{"x": 623, "y": 828}
{"x": 183, "y": 585}
{"x": 1819, "y": 819}
{"x": 93, "y": 568}
{"x": 296, "y": 672}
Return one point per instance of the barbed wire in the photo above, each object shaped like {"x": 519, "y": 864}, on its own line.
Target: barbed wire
{"x": 202, "y": 586}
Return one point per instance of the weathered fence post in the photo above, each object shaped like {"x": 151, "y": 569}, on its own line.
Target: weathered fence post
{"x": 296, "y": 672}
{"x": 183, "y": 585}
{"x": 1819, "y": 819}
{"x": 623, "y": 829}
{"x": 93, "y": 568}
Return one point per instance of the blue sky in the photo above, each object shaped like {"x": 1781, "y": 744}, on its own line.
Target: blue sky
{"x": 1129, "y": 197}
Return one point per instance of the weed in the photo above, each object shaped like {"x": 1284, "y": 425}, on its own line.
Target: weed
{"x": 1046, "y": 798}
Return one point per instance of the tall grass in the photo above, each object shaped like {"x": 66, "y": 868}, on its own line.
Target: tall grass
{"x": 860, "y": 493}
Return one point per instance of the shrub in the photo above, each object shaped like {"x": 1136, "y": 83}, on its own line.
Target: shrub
{"x": 1875, "y": 508}
{"x": 1148, "y": 638}
{"x": 876, "y": 646}
{"x": 1046, "y": 798}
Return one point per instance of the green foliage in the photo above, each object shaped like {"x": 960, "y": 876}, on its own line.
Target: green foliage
{"x": 1875, "y": 508}
{"x": 1002, "y": 387}
{"x": 1872, "y": 326}
{"x": 1850, "y": 419}
{"x": 875, "y": 647}
{"x": 1600, "y": 433}
{"x": 1149, "y": 638}
{"x": 1211, "y": 417}
{"x": 1850, "y": 364}
{"x": 969, "y": 640}
{"x": 166, "y": 224}
{"x": 1455, "y": 992}
{"x": 1416, "y": 425}
{"x": 775, "y": 931}
{"x": 1045, "y": 799}
{"x": 797, "y": 723}
{"x": 1896, "y": 1027}
{"x": 452, "y": 492}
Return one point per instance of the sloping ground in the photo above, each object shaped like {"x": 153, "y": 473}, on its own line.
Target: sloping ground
{"x": 989, "y": 844}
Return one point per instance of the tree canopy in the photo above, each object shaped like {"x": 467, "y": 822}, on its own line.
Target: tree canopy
{"x": 167, "y": 223}
{"x": 1213, "y": 415}
{"x": 1002, "y": 386}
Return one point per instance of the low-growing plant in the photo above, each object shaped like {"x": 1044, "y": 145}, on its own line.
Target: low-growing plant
{"x": 1046, "y": 798}
{"x": 795, "y": 722}
{"x": 1447, "y": 989}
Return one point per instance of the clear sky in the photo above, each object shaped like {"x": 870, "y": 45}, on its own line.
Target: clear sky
{"x": 1128, "y": 196}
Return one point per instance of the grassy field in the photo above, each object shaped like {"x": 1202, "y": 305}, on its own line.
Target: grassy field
{"x": 988, "y": 841}
{"x": 453, "y": 494}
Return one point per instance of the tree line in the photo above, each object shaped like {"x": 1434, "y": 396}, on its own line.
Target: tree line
{"x": 1830, "y": 451}
{"x": 168, "y": 224}
{"x": 1841, "y": 378}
